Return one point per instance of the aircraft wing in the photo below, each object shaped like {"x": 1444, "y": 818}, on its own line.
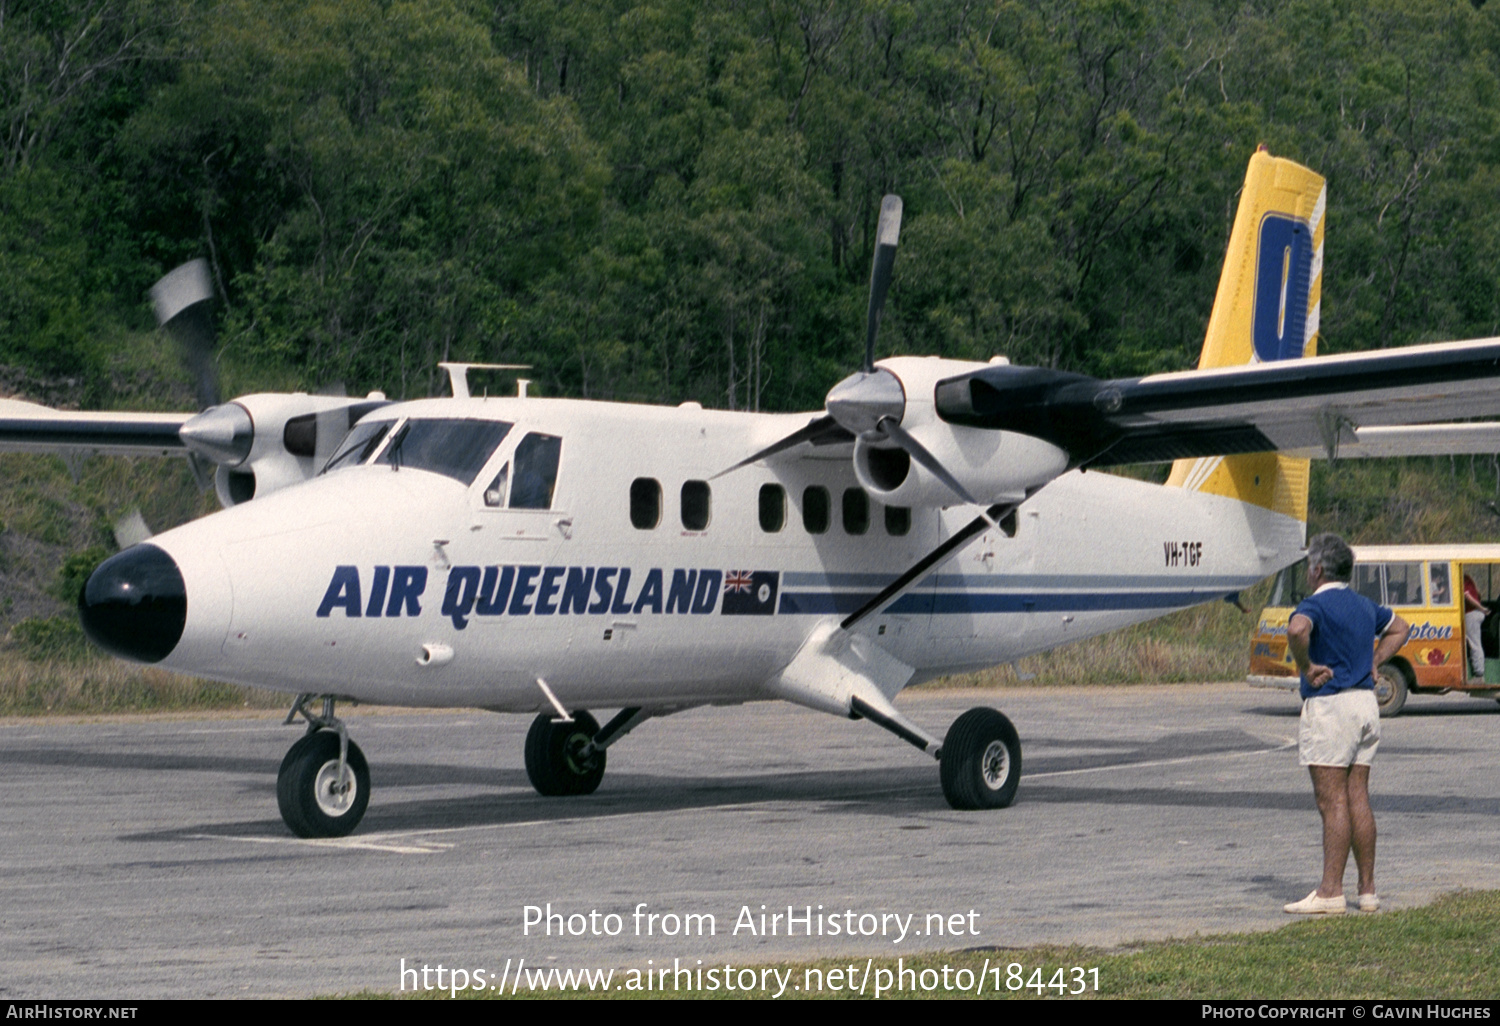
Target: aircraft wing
{"x": 1317, "y": 405}
{"x": 30, "y": 427}
{"x": 1412, "y": 440}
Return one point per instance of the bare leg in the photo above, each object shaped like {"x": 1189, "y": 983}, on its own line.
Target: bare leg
{"x": 1362, "y": 827}
{"x": 1331, "y": 789}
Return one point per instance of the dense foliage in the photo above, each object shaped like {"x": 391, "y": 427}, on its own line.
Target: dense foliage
{"x": 674, "y": 199}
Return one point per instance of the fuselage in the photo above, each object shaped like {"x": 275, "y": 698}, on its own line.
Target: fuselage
{"x": 634, "y": 577}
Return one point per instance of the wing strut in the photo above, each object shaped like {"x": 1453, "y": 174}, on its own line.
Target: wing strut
{"x": 989, "y": 518}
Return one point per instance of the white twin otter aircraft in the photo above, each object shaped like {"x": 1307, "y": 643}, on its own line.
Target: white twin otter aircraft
{"x": 550, "y": 556}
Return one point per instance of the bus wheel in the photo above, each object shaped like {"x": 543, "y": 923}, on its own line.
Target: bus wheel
{"x": 1390, "y": 689}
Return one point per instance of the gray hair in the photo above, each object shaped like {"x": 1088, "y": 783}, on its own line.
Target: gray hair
{"x": 1333, "y": 555}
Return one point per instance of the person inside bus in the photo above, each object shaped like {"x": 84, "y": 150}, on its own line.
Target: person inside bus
{"x": 1474, "y": 613}
{"x": 1440, "y": 595}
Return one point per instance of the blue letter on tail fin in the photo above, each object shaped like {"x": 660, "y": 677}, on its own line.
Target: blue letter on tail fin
{"x": 1283, "y": 276}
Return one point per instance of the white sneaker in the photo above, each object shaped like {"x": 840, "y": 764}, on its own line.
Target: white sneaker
{"x": 1315, "y": 906}
{"x": 1369, "y": 902}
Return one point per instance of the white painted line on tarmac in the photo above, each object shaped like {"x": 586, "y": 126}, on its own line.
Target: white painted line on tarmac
{"x": 1118, "y": 766}
{"x": 396, "y": 841}
{"x": 366, "y": 842}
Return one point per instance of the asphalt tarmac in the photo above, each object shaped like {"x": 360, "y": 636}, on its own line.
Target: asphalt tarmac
{"x": 144, "y": 857}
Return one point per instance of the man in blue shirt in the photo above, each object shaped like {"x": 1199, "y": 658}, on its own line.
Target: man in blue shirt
{"x": 1337, "y": 637}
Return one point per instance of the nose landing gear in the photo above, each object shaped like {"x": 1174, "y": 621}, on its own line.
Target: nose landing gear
{"x": 323, "y": 785}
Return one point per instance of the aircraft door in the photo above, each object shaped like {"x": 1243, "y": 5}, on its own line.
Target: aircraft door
{"x": 517, "y": 525}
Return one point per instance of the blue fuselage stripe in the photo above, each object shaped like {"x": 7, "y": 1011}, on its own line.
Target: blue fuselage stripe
{"x": 825, "y": 602}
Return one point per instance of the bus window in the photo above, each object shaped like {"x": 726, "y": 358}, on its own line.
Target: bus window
{"x": 1403, "y": 584}
{"x": 1291, "y": 586}
{"x": 1442, "y": 591}
{"x": 1367, "y": 582}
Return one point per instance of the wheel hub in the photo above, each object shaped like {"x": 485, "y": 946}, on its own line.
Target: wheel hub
{"x": 573, "y": 750}
{"x": 335, "y": 797}
{"x": 995, "y": 765}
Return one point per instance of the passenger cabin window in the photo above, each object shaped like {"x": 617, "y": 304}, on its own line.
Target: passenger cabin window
{"x": 359, "y": 444}
{"x": 772, "y": 508}
{"x": 897, "y": 520}
{"x": 815, "y": 509}
{"x": 645, "y": 503}
{"x": 536, "y": 472}
{"x": 856, "y": 511}
{"x": 695, "y": 505}
{"x": 454, "y": 448}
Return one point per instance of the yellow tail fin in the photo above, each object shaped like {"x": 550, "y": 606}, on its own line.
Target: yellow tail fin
{"x": 1266, "y": 309}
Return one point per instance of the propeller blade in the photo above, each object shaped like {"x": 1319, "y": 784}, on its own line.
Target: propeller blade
{"x": 987, "y": 519}
{"x": 896, "y": 433}
{"x": 817, "y": 428}
{"x": 887, "y": 234}
{"x": 182, "y": 301}
{"x": 131, "y": 529}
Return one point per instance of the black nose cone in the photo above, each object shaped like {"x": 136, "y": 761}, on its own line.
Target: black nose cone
{"x": 134, "y": 605}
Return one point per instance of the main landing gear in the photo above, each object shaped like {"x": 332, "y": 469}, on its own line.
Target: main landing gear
{"x": 566, "y": 755}
{"x": 323, "y": 785}
{"x": 979, "y": 761}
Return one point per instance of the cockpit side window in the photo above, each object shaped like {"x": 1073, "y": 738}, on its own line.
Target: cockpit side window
{"x": 454, "y": 448}
{"x": 361, "y": 441}
{"x": 536, "y": 472}
{"x": 494, "y": 495}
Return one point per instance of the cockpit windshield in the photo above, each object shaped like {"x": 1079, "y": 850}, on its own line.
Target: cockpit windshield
{"x": 362, "y": 440}
{"x": 455, "y": 448}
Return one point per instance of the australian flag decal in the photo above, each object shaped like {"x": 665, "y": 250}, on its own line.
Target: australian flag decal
{"x": 750, "y": 592}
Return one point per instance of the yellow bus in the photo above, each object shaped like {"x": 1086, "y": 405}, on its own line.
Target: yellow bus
{"x": 1425, "y": 585}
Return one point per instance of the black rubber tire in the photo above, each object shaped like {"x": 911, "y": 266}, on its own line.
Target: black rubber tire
{"x": 311, "y": 765}
{"x": 1390, "y": 689}
{"x": 552, "y": 762}
{"x": 981, "y": 761}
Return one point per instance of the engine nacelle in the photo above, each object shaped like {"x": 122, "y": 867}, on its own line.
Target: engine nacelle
{"x": 995, "y": 466}
{"x": 262, "y": 443}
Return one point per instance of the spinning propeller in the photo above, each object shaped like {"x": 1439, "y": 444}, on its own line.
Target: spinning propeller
{"x": 257, "y": 443}
{"x": 871, "y": 403}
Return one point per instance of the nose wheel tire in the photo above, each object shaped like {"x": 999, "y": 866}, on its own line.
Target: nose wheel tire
{"x": 314, "y": 801}
{"x": 554, "y": 756}
{"x": 981, "y": 761}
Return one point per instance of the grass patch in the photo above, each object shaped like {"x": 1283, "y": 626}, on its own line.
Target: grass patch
{"x": 89, "y": 683}
{"x": 1445, "y": 950}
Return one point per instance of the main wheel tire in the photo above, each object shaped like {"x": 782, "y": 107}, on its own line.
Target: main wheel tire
{"x": 553, "y": 761}
{"x": 1390, "y": 689}
{"x": 313, "y": 801}
{"x": 981, "y": 761}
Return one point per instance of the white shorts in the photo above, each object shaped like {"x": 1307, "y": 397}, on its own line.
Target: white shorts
{"x": 1339, "y": 730}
